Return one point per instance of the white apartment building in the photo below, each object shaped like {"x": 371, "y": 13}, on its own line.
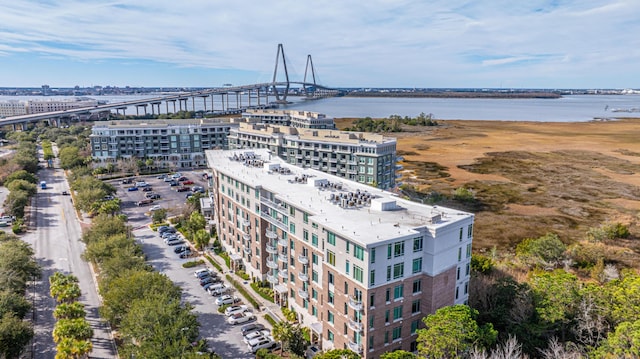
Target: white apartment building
{"x": 50, "y": 105}
{"x": 12, "y": 108}
{"x": 360, "y": 266}
{"x": 292, "y": 118}
{"x": 358, "y": 156}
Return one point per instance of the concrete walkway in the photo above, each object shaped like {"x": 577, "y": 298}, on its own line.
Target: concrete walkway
{"x": 266, "y": 307}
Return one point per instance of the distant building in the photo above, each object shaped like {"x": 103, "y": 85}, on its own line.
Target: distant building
{"x": 12, "y": 108}
{"x": 50, "y": 105}
{"x": 360, "y": 266}
{"x": 291, "y": 118}
{"x": 170, "y": 143}
{"x": 362, "y": 157}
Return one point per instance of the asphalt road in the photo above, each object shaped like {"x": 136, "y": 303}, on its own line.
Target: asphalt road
{"x": 57, "y": 246}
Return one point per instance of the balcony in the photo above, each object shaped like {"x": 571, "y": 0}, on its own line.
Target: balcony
{"x": 303, "y": 276}
{"x": 303, "y": 259}
{"x": 283, "y": 273}
{"x": 247, "y": 250}
{"x": 283, "y": 242}
{"x": 282, "y": 257}
{"x": 303, "y": 294}
{"x": 355, "y": 326}
{"x": 355, "y": 347}
{"x": 272, "y": 264}
{"x": 246, "y": 236}
{"x": 246, "y": 222}
{"x": 272, "y": 279}
{"x": 271, "y": 234}
{"x": 353, "y": 303}
{"x": 271, "y": 249}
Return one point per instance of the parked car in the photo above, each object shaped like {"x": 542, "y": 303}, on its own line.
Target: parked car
{"x": 106, "y": 198}
{"x": 255, "y": 334}
{"x": 144, "y": 202}
{"x": 201, "y": 270}
{"x": 182, "y": 179}
{"x": 188, "y": 182}
{"x": 195, "y": 189}
{"x": 65, "y": 193}
{"x": 161, "y": 177}
{"x": 170, "y": 237}
{"x": 240, "y": 318}
{"x": 176, "y": 175}
{"x": 206, "y": 280}
{"x": 8, "y": 219}
{"x": 185, "y": 254}
{"x": 174, "y": 183}
{"x": 182, "y": 189}
{"x": 206, "y": 274}
{"x": 155, "y": 208}
{"x": 226, "y": 299}
{"x": 235, "y": 309}
{"x": 126, "y": 181}
{"x": 166, "y": 230}
{"x": 141, "y": 184}
{"x": 162, "y": 229}
{"x": 249, "y": 328}
{"x": 175, "y": 242}
{"x": 167, "y": 179}
{"x": 168, "y": 233}
{"x": 147, "y": 189}
{"x": 180, "y": 249}
{"x": 131, "y": 189}
{"x": 261, "y": 342}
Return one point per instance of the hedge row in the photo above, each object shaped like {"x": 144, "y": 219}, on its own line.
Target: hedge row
{"x": 243, "y": 291}
{"x": 214, "y": 263}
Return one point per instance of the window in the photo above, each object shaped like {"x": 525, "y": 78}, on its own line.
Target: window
{"x": 314, "y": 294}
{"x": 458, "y": 274}
{"x": 331, "y": 238}
{"x": 372, "y": 255}
{"x": 467, "y": 269}
{"x": 305, "y": 235}
{"x": 397, "y": 333}
{"x": 357, "y": 273}
{"x": 329, "y": 335}
{"x": 314, "y": 240}
{"x": 470, "y": 230}
{"x": 330, "y": 297}
{"x": 398, "y": 249}
{"x": 414, "y": 326}
{"x": 314, "y": 311}
{"x": 371, "y": 320}
{"x": 358, "y": 252}
{"x": 305, "y": 217}
{"x": 331, "y": 258}
{"x": 389, "y": 251}
{"x": 415, "y": 306}
{"x": 398, "y": 270}
{"x": 417, "y": 244}
{"x": 346, "y": 310}
{"x": 348, "y": 246}
{"x": 372, "y": 300}
{"x": 397, "y": 312}
{"x": 459, "y": 254}
{"x": 457, "y": 293}
{"x": 372, "y": 277}
{"x": 461, "y": 234}
{"x": 370, "y": 342}
{"x": 386, "y": 337}
{"x": 417, "y": 286}
{"x": 466, "y": 287}
{"x": 346, "y": 267}
{"x": 388, "y": 273}
{"x": 314, "y": 276}
{"x": 386, "y": 316}
{"x": 417, "y": 265}
{"x": 468, "y": 250}
{"x": 388, "y": 295}
{"x": 292, "y": 228}
{"x": 398, "y": 291}
{"x": 330, "y": 277}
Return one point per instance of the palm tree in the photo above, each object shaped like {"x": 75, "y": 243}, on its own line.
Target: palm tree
{"x": 282, "y": 333}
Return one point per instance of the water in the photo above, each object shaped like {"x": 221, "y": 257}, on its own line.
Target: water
{"x": 573, "y": 108}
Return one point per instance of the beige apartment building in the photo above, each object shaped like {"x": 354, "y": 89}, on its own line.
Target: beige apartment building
{"x": 360, "y": 266}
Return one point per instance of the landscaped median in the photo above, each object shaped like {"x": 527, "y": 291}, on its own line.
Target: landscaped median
{"x": 243, "y": 291}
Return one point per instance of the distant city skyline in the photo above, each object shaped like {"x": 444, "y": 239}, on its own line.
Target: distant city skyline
{"x": 384, "y": 44}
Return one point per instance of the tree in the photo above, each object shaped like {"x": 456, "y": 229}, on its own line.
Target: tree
{"x": 398, "y": 354}
{"x": 452, "y": 332}
{"x": 201, "y": 239}
{"x": 281, "y": 332}
{"x": 624, "y": 342}
{"x": 69, "y": 348}
{"x": 15, "y": 334}
{"x": 623, "y": 296}
{"x": 64, "y": 290}
{"x": 15, "y": 203}
{"x": 556, "y": 295}
{"x": 545, "y": 251}
{"x": 20, "y": 175}
{"x": 338, "y": 354}
{"x": 73, "y": 310}
{"x": 13, "y": 303}
{"x": 159, "y": 216}
{"x": 70, "y": 157}
{"x": 78, "y": 329}
{"x": 23, "y": 185}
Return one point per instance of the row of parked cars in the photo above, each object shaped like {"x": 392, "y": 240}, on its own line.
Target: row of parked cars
{"x": 171, "y": 237}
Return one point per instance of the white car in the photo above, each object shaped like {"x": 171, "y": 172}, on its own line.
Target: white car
{"x": 261, "y": 342}
{"x": 155, "y": 208}
{"x": 240, "y": 318}
{"x": 226, "y": 299}
{"x": 197, "y": 272}
{"x": 253, "y": 335}
{"x": 234, "y": 309}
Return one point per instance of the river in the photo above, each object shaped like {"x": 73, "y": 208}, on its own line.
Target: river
{"x": 571, "y": 108}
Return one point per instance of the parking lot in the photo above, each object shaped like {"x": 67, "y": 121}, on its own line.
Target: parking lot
{"x": 223, "y": 338}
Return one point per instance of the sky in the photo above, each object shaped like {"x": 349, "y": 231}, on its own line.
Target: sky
{"x": 366, "y": 43}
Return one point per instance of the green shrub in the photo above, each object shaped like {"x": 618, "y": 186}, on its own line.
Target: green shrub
{"x": 242, "y": 274}
{"x": 270, "y": 320}
{"x": 226, "y": 258}
{"x": 481, "y": 263}
{"x": 264, "y": 292}
{"x": 243, "y": 291}
{"x": 17, "y": 226}
{"x": 222, "y": 308}
{"x": 289, "y": 314}
{"x": 608, "y": 230}
{"x": 214, "y": 263}
{"x": 192, "y": 264}
{"x": 154, "y": 226}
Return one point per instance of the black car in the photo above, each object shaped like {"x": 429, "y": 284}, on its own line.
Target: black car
{"x": 253, "y": 327}
{"x": 183, "y": 189}
{"x": 127, "y": 181}
{"x": 206, "y": 280}
{"x": 65, "y": 193}
{"x": 147, "y": 189}
{"x": 185, "y": 254}
{"x": 180, "y": 249}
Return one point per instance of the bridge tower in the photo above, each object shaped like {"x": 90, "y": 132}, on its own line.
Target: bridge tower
{"x": 309, "y": 91}
{"x": 283, "y": 98}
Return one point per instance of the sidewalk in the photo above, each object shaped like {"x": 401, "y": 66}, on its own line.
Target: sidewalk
{"x": 266, "y": 306}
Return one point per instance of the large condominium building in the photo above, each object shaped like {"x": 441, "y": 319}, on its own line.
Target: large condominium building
{"x": 360, "y": 266}
{"x": 170, "y": 143}
{"x": 17, "y": 108}
{"x": 292, "y": 118}
{"x": 358, "y": 156}
{"x": 12, "y": 108}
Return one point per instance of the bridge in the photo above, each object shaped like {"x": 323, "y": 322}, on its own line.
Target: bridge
{"x": 277, "y": 89}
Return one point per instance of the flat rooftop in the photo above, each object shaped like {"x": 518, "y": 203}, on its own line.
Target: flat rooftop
{"x": 356, "y": 211}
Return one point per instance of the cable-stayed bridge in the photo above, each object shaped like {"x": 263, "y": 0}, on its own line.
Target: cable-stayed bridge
{"x": 233, "y": 99}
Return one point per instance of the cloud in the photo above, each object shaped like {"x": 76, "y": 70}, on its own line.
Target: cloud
{"x": 439, "y": 43}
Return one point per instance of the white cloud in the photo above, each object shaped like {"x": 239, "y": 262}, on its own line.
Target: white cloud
{"x": 371, "y": 43}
